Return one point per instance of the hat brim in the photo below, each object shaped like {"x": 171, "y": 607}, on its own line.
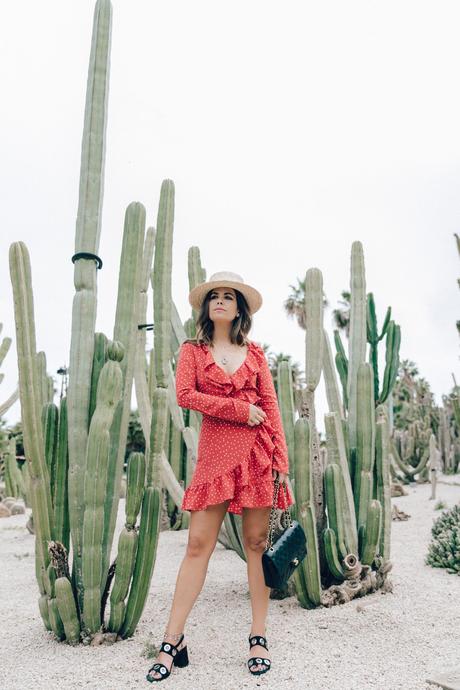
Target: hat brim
{"x": 253, "y": 296}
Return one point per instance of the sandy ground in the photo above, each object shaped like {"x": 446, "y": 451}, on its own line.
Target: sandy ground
{"x": 396, "y": 643}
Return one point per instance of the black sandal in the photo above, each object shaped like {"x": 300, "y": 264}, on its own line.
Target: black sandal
{"x": 180, "y": 658}
{"x": 257, "y": 660}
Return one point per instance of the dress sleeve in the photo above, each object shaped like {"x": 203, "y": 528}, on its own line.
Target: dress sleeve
{"x": 269, "y": 403}
{"x": 214, "y": 405}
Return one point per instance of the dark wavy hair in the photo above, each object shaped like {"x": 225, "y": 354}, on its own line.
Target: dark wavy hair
{"x": 240, "y": 327}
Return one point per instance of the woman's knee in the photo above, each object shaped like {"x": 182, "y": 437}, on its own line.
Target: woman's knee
{"x": 255, "y": 542}
{"x": 199, "y": 545}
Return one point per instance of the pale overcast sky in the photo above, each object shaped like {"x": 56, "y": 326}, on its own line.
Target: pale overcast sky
{"x": 290, "y": 130}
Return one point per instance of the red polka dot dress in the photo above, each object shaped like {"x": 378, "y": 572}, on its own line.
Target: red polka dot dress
{"x": 235, "y": 460}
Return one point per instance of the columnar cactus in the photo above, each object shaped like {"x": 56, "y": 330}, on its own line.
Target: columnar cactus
{"x": 76, "y": 453}
{"x": 4, "y": 348}
{"x": 356, "y": 480}
{"x": 88, "y": 231}
{"x": 31, "y": 412}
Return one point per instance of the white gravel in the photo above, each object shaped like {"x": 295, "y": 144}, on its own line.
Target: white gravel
{"x": 399, "y": 641}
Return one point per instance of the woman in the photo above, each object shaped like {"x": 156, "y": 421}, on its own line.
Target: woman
{"x": 241, "y": 449}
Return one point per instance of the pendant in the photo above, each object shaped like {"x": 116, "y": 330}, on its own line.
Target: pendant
{"x": 224, "y": 360}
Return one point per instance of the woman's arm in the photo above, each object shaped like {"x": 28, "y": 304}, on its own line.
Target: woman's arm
{"x": 269, "y": 403}
{"x": 213, "y": 405}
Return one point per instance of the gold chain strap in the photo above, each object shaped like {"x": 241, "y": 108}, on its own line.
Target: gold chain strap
{"x": 286, "y": 515}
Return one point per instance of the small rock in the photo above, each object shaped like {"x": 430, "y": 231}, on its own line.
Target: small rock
{"x": 4, "y": 511}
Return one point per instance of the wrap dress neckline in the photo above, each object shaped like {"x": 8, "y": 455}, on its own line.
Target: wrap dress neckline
{"x": 237, "y": 380}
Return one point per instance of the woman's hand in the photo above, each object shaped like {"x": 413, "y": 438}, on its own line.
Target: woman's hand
{"x": 281, "y": 475}
{"x": 256, "y": 415}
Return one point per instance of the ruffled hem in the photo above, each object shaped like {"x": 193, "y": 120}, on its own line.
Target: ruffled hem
{"x": 249, "y": 484}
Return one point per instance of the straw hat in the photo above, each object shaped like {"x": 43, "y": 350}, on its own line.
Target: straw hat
{"x": 226, "y": 279}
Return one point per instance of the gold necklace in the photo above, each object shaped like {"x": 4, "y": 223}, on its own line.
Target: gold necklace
{"x": 224, "y": 360}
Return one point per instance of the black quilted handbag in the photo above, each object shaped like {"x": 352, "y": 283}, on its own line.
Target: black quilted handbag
{"x": 281, "y": 558}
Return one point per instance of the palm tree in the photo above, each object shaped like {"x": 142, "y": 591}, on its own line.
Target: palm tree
{"x": 342, "y": 316}
{"x": 273, "y": 360}
{"x": 295, "y": 303}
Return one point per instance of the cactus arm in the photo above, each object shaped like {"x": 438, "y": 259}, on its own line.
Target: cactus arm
{"x": 330, "y": 379}
{"x": 4, "y": 407}
{"x": 337, "y": 454}
{"x": 303, "y": 490}
{"x": 109, "y": 392}
{"x": 314, "y": 338}
{"x": 333, "y": 482}
{"x": 40, "y": 494}
{"x": 61, "y": 497}
{"x": 128, "y": 540}
{"x": 50, "y": 422}
{"x": 126, "y": 557}
{"x": 314, "y": 345}
{"x": 392, "y": 360}
{"x": 373, "y": 340}
{"x": 196, "y": 275}
{"x": 386, "y": 323}
{"x": 135, "y": 487}
{"x": 149, "y": 527}
{"x": 365, "y": 442}
{"x": 341, "y": 363}
{"x": 382, "y": 461}
{"x": 286, "y": 404}
{"x": 4, "y": 347}
{"x": 332, "y": 556}
{"x": 99, "y": 359}
{"x": 371, "y": 532}
{"x": 357, "y": 340}
{"x": 125, "y": 331}
{"x": 67, "y": 609}
{"x": 162, "y": 283}
{"x": 178, "y": 331}
{"x": 145, "y": 559}
{"x": 140, "y": 374}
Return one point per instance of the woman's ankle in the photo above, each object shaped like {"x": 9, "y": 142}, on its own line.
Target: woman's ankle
{"x": 174, "y": 637}
{"x": 258, "y": 629}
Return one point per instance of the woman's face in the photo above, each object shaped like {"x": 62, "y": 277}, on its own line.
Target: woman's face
{"x": 222, "y": 304}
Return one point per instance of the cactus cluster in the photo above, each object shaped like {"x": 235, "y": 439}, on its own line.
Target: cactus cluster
{"x": 76, "y": 452}
{"x": 444, "y": 548}
{"x": 343, "y": 497}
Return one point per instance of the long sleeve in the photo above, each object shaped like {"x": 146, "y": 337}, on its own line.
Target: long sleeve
{"x": 269, "y": 403}
{"x": 213, "y": 405}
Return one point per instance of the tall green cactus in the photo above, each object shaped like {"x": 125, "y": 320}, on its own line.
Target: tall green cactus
{"x": 373, "y": 337}
{"x": 365, "y": 442}
{"x": 76, "y": 454}
{"x": 307, "y": 575}
{"x": 314, "y": 344}
{"x": 125, "y": 332}
{"x": 109, "y": 393}
{"x": 356, "y": 537}
{"x": 88, "y": 230}
{"x": 357, "y": 340}
{"x": 286, "y": 404}
{"x": 31, "y": 412}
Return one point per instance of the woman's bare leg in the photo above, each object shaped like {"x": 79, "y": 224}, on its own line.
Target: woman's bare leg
{"x": 255, "y": 530}
{"x": 202, "y": 537}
